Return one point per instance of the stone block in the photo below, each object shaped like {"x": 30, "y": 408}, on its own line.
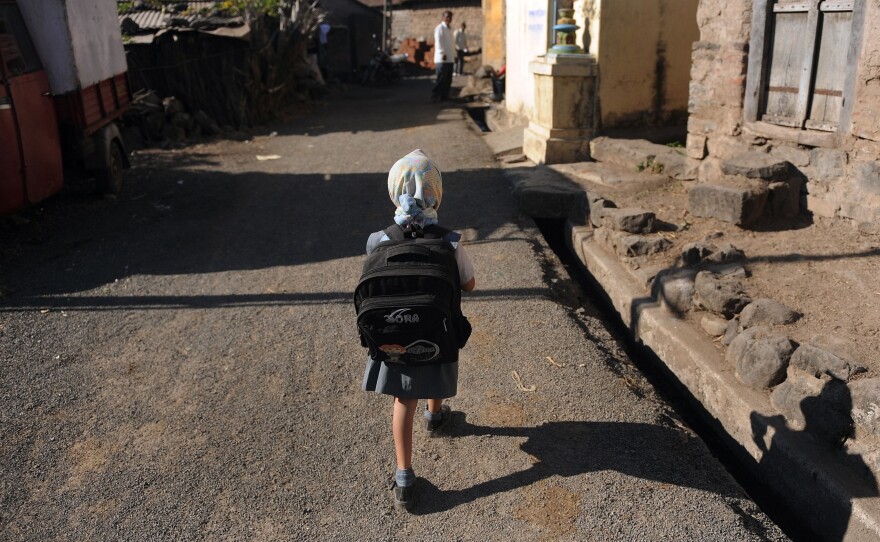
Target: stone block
{"x": 598, "y": 205}
{"x": 784, "y": 198}
{"x": 547, "y": 198}
{"x": 710, "y": 169}
{"x": 867, "y": 178}
{"x": 726, "y": 147}
{"x": 715, "y": 326}
{"x": 760, "y": 357}
{"x": 797, "y": 157}
{"x": 827, "y": 165}
{"x": 694, "y": 253}
{"x": 629, "y": 245}
{"x": 674, "y": 288}
{"x": 816, "y": 361}
{"x": 763, "y": 311}
{"x": 732, "y": 331}
{"x": 629, "y": 219}
{"x": 726, "y": 253}
{"x": 818, "y": 406}
{"x": 732, "y": 270}
{"x": 696, "y": 146}
{"x": 642, "y": 155}
{"x": 757, "y": 165}
{"x": 544, "y": 149}
{"x": 721, "y": 295}
{"x": 701, "y": 126}
{"x": 860, "y": 207}
{"x": 822, "y": 206}
{"x": 866, "y": 404}
{"x": 736, "y": 201}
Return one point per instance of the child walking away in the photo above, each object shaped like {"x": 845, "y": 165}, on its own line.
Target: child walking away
{"x": 408, "y": 304}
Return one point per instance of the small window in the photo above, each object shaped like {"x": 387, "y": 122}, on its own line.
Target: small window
{"x": 16, "y": 49}
{"x": 802, "y": 63}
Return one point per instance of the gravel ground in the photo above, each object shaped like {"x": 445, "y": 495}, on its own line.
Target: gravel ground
{"x": 182, "y": 363}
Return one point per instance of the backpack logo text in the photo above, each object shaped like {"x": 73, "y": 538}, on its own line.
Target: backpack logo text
{"x": 398, "y": 317}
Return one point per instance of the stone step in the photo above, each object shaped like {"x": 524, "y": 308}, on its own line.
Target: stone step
{"x": 611, "y": 175}
{"x": 758, "y": 165}
{"x": 737, "y": 200}
{"x": 640, "y": 155}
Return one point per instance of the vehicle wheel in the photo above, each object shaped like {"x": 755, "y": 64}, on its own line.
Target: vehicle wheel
{"x": 110, "y": 176}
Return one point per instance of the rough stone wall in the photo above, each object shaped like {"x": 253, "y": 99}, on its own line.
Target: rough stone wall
{"x": 866, "y": 114}
{"x": 420, "y": 23}
{"x": 718, "y": 67}
{"x": 843, "y": 180}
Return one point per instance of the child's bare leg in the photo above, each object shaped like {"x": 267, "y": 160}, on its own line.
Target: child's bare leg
{"x": 434, "y": 405}
{"x": 402, "y": 428}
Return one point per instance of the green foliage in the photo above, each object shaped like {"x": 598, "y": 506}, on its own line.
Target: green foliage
{"x": 651, "y": 165}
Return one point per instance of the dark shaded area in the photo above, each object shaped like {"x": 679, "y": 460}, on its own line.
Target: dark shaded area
{"x": 186, "y": 221}
{"x": 828, "y": 517}
{"x": 478, "y": 114}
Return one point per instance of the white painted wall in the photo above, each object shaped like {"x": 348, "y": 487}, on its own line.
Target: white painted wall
{"x": 527, "y": 37}
{"x": 79, "y": 41}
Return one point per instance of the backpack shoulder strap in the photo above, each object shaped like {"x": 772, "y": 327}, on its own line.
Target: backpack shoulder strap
{"x": 436, "y": 232}
{"x": 394, "y": 232}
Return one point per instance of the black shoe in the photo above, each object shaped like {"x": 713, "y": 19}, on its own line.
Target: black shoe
{"x": 403, "y": 496}
{"x": 435, "y": 426}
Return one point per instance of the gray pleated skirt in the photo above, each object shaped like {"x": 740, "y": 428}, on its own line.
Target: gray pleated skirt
{"x": 411, "y": 381}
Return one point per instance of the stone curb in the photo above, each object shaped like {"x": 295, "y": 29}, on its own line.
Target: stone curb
{"x": 807, "y": 476}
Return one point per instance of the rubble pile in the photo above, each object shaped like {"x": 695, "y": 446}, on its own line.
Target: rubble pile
{"x": 167, "y": 122}
{"x": 707, "y": 282}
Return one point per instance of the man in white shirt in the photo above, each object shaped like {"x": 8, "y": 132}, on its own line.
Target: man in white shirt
{"x": 461, "y": 48}
{"x": 444, "y": 51}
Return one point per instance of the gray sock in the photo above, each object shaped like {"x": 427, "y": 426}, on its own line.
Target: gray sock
{"x": 404, "y": 477}
{"x": 433, "y": 415}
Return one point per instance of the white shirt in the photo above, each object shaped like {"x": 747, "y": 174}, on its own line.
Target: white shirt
{"x": 460, "y": 40}
{"x": 444, "y": 48}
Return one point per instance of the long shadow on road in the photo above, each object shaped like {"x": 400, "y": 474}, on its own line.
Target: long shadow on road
{"x": 574, "y": 448}
{"x": 189, "y": 222}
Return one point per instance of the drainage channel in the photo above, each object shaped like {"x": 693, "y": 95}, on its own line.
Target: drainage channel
{"x": 478, "y": 115}
{"x": 688, "y": 408}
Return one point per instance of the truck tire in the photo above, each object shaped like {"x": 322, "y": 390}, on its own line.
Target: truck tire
{"x": 110, "y": 176}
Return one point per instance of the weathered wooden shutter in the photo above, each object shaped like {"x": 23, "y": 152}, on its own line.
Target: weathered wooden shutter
{"x": 831, "y": 68}
{"x": 807, "y": 63}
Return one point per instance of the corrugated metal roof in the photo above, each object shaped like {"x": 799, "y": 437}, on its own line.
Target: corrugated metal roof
{"x": 187, "y": 14}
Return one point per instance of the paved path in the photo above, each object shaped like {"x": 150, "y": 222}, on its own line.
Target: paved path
{"x": 182, "y": 364}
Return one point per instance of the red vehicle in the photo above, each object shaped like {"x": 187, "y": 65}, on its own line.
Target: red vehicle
{"x": 63, "y": 86}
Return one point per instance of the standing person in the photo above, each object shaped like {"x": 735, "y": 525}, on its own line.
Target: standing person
{"x": 444, "y": 48}
{"x": 461, "y": 48}
{"x": 416, "y": 188}
{"x": 323, "y": 31}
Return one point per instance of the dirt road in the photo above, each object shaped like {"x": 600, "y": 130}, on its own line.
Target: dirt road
{"x": 182, "y": 363}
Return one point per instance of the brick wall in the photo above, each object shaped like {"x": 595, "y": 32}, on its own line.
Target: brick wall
{"x": 420, "y": 23}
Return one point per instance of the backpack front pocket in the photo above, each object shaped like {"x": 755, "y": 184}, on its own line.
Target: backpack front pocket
{"x": 416, "y": 333}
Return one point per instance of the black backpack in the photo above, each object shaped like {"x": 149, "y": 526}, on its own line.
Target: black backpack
{"x": 408, "y": 300}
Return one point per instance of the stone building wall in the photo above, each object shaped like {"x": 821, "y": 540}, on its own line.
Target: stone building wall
{"x": 843, "y": 176}
{"x": 420, "y": 23}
